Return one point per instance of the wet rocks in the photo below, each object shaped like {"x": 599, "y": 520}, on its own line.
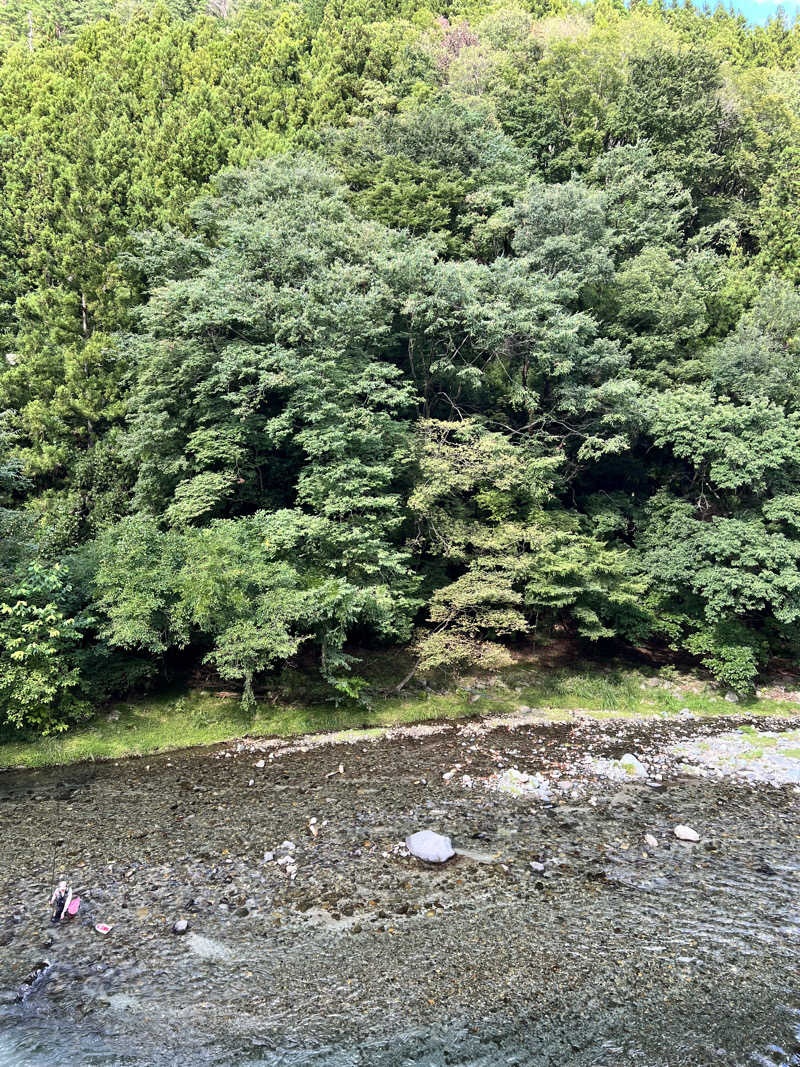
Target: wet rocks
{"x": 32, "y": 978}
{"x": 518, "y": 783}
{"x": 429, "y": 846}
{"x": 554, "y": 876}
{"x": 750, "y": 754}
{"x": 627, "y": 766}
{"x": 686, "y": 833}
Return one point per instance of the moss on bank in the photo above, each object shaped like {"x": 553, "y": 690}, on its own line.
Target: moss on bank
{"x": 186, "y": 719}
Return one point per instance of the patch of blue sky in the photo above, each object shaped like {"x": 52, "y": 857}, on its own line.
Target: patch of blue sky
{"x": 759, "y": 11}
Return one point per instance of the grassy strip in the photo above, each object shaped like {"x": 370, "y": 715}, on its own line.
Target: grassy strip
{"x": 173, "y": 721}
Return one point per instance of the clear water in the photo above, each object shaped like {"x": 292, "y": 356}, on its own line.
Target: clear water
{"x": 685, "y": 957}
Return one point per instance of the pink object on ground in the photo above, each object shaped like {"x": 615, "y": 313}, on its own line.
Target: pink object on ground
{"x": 102, "y": 928}
{"x": 74, "y": 904}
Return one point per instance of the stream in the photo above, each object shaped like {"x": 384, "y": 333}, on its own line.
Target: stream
{"x": 556, "y": 935}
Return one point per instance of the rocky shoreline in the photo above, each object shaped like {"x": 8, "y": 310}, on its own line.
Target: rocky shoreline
{"x": 558, "y": 933}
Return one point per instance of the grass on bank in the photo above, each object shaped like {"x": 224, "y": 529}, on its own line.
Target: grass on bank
{"x": 186, "y": 719}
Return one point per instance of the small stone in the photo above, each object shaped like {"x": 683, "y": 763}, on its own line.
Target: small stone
{"x": 651, "y": 840}
{"x": 260, "y": 764}
{"x": 180, "y": 926}
{"x": 686, "y": 833}
{"x": 732, "y": 698}
{"x": 356, "y": 928}
{"x": 474, "y": 698}
{"x": 537, "y": 868}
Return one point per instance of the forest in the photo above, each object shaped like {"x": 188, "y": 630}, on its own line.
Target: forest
{"x": 336, "y": 325}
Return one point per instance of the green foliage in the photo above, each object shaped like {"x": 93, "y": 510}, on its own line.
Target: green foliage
{"x": 257, "y": 382}
{"x": 40, "y": 644}
{"x": 328, "y": 323}
{"x": 524, "y": 567}
{"x": 441, "y": 170}
{"x": 777, "y": 224}
{"x": 760, "y": 357}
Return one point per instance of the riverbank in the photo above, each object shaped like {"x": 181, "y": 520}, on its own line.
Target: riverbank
{"x": 572, "y": 925}
{"x": 194, "y": 718}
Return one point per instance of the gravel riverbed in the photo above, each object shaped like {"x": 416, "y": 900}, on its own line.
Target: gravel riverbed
{"x": 556, "y": 935}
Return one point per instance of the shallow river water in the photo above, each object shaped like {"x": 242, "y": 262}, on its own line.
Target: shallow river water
{"x": 557, "y": 934}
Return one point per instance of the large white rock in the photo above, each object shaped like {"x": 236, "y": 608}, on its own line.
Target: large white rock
{"x": 430, "y": 846}
{"x": 631, "y": 765}
{"x": 686, "y": 833}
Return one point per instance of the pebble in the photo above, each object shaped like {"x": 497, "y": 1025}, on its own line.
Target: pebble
{"x": 686, "y": 833}
{"x": 651, "y": 840}
{"x": 180, "y": 926}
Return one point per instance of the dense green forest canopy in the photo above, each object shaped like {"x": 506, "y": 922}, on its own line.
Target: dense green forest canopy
{"x": 347, "y": 322}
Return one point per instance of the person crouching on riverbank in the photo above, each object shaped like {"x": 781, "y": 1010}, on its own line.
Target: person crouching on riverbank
{"x": 60, "y": 901}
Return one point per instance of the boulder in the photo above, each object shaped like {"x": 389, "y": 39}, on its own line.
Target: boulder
{"x": 429, "y": 846}
{"x": 631, "y": 765}
{"x": 686, "y": 833}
